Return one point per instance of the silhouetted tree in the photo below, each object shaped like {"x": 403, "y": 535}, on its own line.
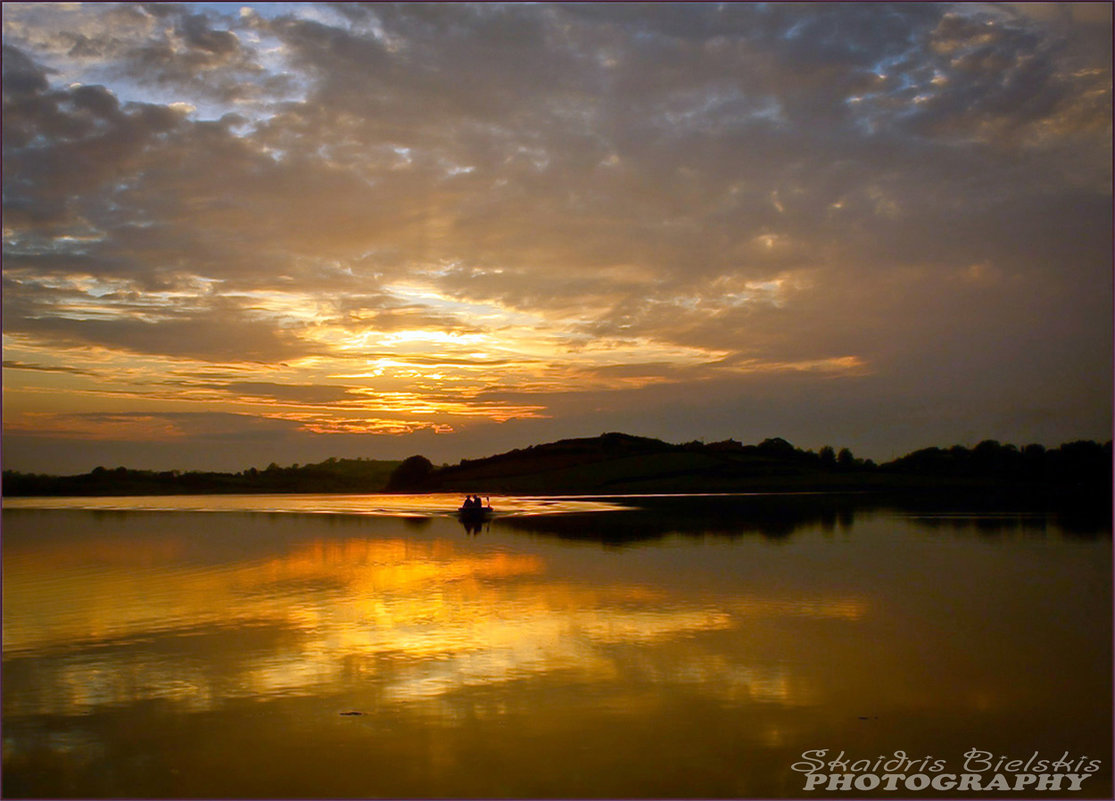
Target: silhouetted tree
{"x": 828, "y": 456}
{"x": 777, "y": 447}
{"x": 412, "y": 474}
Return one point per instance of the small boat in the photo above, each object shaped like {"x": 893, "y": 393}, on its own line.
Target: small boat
{"x": 475, "y": 513}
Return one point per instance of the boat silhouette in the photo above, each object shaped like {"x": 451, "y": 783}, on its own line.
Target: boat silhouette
{"x": 474, "y": 513}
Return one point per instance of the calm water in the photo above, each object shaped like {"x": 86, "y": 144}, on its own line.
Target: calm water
{"x": 571, "y": 648}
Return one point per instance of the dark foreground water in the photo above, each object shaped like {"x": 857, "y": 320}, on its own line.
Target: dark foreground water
{"x": 699, "y": 649}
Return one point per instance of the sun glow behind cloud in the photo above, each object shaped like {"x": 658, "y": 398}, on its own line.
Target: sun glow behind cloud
{"x": 415, "y": 218}
{"x": 421, "y": 359}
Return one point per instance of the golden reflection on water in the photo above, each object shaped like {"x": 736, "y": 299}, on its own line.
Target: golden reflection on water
{"x": 431, "y": 616}
{"x": 271, "y": 626}
{"x": 421, "y": 504}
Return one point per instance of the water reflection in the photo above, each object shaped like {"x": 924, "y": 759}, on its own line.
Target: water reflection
{"x": 110, "y": 621}
{"x": 419, "y": 505}
{"x": 145, "y": 625}
{"x": 472, "y": 526}
{"x": 142, "y": 649}
{"x": 652, "y": 517}
{"x": 778, "y": 516}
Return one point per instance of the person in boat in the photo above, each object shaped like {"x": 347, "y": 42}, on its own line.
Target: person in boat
{"x": 473, "y": 503}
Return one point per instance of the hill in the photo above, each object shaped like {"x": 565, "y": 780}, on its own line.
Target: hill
{"x": 618, "y": 463}
{"x": 621, "y": 463}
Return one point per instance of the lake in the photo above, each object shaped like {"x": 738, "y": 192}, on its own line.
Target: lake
{"x": 373, "y": 646}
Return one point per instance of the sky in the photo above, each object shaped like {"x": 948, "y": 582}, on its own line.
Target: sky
{"x": 242, "y": 234}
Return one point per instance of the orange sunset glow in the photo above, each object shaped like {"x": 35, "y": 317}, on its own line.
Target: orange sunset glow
{"x": 241, "y": 234}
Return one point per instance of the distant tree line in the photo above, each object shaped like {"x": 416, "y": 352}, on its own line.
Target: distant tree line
{"x": 332, "y": 475}
{"x": 1080, "y": 466}
{"x": 1071, "y": 463}
{"x": 778, "y": 448}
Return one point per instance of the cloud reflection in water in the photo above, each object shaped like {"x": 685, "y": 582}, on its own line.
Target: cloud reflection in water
{"x": 137, "y": 618}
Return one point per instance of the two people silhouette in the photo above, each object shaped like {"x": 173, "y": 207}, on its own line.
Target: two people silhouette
{"x": 473, "y": 514}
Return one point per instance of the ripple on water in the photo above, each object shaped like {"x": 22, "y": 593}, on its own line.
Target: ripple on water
{"x": 422, "y": 505}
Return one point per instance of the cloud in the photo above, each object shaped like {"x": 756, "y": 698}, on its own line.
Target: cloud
{"x": 148, "y": 426}
{"x": 443, "y": 201}
{"x": 15, "y": 365}
{"x": 301, "y": 393}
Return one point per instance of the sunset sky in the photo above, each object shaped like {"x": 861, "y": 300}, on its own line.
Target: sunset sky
{"x": 237, "y": 234}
